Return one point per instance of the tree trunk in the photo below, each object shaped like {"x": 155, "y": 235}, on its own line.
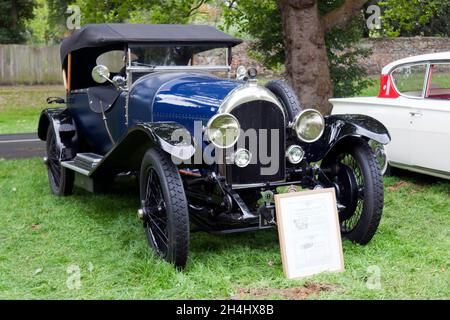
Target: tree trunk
{"x": 307, "y": 65}
{"x": 14, "y": 17}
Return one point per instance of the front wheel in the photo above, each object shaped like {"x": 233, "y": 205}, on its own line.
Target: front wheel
{"x": 165, "y": 208}
{"x": 379, "y": 151}
{"x": 353, "y": 170}
{"x": 60, "y": 179}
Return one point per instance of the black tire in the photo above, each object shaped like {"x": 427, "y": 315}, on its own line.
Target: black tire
{"x": 287, "y": 97}
{"x": 60, "y": 179}
{"x": 380, "y": 156}
{"x": 359, "y": 186}
{"x": 165, "y": 208}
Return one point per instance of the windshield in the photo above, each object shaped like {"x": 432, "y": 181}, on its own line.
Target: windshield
{"x": 152, "y": 56}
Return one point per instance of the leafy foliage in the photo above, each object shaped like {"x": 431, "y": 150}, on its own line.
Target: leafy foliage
{"x": 37, "y": 27}
{"x": 348, "y": 76}
{"x": 57, "y": 19}
{"x": 49, "y": 25}
{"x": 252, "y": 18}
{"x": 409, "y": 18}
{"x": 138, "y": 11}
{"x": 13, "y": 17}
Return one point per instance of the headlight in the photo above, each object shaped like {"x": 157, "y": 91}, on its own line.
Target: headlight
{"x": 241, "y": 73}
{"x": 242, "y": 158}
{"x": 309, "y": 125}
{"x": 252, "y": 72}
{"x": 223, "y": 130}
{"x": 295, "y": 154}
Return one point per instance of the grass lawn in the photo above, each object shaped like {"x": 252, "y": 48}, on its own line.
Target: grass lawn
{"x": 46, "y": 241}
{"x": 20, "y": 106}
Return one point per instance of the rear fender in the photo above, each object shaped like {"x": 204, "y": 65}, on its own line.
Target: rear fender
{"x": 340, "y": 127}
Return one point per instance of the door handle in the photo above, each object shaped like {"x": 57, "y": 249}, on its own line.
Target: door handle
{"x": 416, "y": 113}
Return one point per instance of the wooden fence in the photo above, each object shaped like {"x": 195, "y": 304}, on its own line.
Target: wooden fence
{"x": 30, "y": 64}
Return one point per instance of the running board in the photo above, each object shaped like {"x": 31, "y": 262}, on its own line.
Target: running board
{"x": 83, "y": 163}
{"x": 72, "y": 166}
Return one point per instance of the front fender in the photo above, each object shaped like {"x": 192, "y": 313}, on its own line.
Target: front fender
{"x": 171, "y": 137}
{"x": 127, "y": 154}
{"x": 64, "y": 129}
{"x": 339, "y": 127}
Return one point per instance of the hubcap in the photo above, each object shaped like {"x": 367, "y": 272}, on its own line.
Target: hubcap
{"x": 347, "y": 191}
{"x": 348, "y": 181}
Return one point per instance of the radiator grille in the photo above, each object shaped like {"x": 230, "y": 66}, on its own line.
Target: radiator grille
{"x": 260, "y": 115}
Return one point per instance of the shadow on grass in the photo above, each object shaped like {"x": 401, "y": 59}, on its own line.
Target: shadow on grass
{"x": 258, "y": 240}
{"x": 121, "y": 202}
{"x": 416, "y": 178}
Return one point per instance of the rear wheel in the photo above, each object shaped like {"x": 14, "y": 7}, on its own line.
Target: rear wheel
{"x": 353, "y": 170}
{"x": 165, "y": 209}
{"x": 60, "y": 179}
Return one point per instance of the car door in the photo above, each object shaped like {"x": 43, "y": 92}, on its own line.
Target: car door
{"x": 430, "y": 123}
{"x": 409, "y": 82}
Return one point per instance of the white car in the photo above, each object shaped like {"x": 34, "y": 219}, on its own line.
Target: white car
{"x": 414, "y": 105}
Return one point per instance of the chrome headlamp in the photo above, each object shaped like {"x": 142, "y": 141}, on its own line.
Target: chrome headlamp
{"x": 241, "y": 73}
{"x": 242, "y": 158}
{"x": 309, "y": 125}
{"x": 223, "y": 130}
{"x": 295, "y": 154}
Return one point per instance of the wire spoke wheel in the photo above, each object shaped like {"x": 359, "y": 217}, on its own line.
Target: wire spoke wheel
{"x": 155, "y": 213}
{"x": 165, "y": 207}
{"x": 61, "y": 180}
{"x": 353, "y": 171}
{"x": 350, "y": 221}
{"x": 53, "y": 161}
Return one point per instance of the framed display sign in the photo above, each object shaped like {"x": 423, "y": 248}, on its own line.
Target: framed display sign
{"x": 309, "y": 233}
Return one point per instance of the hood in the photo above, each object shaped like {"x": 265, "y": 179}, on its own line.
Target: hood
{"x": 181, "y": 97}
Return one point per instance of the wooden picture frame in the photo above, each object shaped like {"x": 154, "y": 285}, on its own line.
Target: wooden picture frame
{"x": 309, "y": 233}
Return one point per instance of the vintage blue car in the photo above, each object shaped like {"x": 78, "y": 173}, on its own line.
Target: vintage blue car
{"x": 157, "y": 103}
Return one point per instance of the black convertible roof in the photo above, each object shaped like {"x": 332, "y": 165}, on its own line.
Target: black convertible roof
{"x": 99, "y": 35}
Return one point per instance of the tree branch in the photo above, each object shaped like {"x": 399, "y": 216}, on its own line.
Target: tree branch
{"x": 196, "y": 7}
{"x": 231, "y": 4}
{"x": 343, "y": 15}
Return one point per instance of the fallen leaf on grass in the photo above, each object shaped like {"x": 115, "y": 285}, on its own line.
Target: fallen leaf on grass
{"x": 35, "y": 226}
{"x": 90, "y": 267}
{"x": 398, "y": 185}
{"x": 270, "y": 263}
{"x": 294, "y": 293}
{"x": 37, "y": 271}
